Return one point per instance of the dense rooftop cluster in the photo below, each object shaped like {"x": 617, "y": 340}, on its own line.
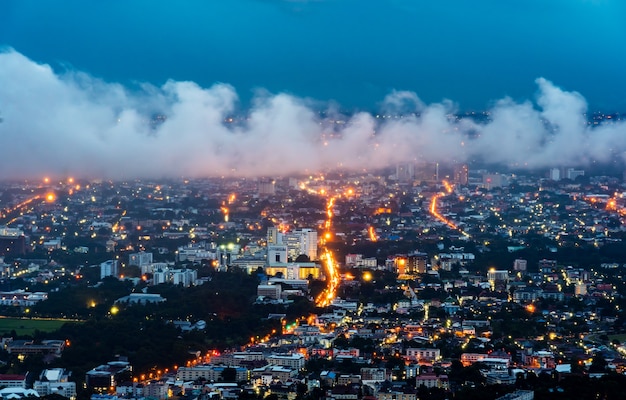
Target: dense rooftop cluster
{"x": 449, "y": 281}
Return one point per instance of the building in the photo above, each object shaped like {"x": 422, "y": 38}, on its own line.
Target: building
{"x": 140, "y": 259}
{"x": 461, "y": 174}
{"x": 12, "y": 242}
{"x": 196, "y": 252}
{"x": 498, "y": 279}
{"x": 406, "y": 394}
{"x": 276, "y": 254}
{"x": 301, "y": 241}
{"x": 492, "y": 181}
{"x": 29, "y": 347}
{"x": 573, "y": 173}
{"x": 184, "y": 277}
{"x": 21, "y": 298}
{"x": 405, "y": 172}
{"x": 141, "y": 298}
{"x": 432, "y": 381}
{"x": 423, "y": 354}
{"x": 416, "y": 263}
{"x": 12, "y": 381}
{"x": 520, "y": 265}
{"x": 227, "y": 254}
{"x": 273, "y": 236}
{"x": 269, "y": 373}
{"x": 109, "y": 268}
{"x": 518, "y": 395}
{"x": 266, "y": 187}
{"x": 55, "y": 381}
{"x": 297, "y": 242}
{"x": 105, "y": 378}
{"x": 269, "y": 291}
{"x": 555, "y": 174}
{"x": 294, "y": 361}
{"x": 580, "y": 289}
{"x": 375, "y": 374}
{"x": 211, "y": 373}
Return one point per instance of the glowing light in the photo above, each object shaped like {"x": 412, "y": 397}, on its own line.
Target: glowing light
{"x": 372, "y": 234}
{"x": 439, "y": 216}
{"x": 367, "y": 276}
{"x": 50, "y": 197}
{"x": 225, "y": 211}
{"x": 114, "y": 310}
{"x": 334, "y": 279}
{"x": 46, "y": 180}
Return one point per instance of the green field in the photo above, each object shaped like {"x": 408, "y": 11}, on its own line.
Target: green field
{"x": 29, "y": 326}
{"x": 621, "y": 337}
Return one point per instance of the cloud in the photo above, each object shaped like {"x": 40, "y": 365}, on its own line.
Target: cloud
{"x": 74, "y": 124}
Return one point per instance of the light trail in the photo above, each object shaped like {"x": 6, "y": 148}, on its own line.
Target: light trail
{"x": 333, "y": 278}
{"x": 225, "y": 211}
{"x": 7, "y": 211}
{"x": 372, "y": 234}
{"x": 438, "y": 215}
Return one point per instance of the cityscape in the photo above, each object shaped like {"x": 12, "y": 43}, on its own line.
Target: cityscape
{"x": 312, "y": 200}
{"x": 423, "y": 280}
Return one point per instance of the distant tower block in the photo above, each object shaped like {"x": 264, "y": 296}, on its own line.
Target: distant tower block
{"x": 555, "y": 174}
{"x": 519, "y": 265}
{"x": 461, "y": 174}
{"x": 267, "y": 187}
{"x": 405, "y": 172}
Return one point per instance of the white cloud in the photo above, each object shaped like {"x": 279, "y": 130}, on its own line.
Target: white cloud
{"x": 75, "y": 124}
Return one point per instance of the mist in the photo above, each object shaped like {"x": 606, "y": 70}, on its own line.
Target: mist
{"x": 73, "y": 124}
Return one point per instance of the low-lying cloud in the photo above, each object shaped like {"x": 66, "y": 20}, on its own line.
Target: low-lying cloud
{"x": 74, "y": 124}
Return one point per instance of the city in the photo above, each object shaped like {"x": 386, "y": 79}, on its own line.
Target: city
{"x": 425, "y": 281}
{"x": 312, "y": 200}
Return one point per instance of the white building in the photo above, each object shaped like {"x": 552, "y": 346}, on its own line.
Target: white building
{"x": 297, "y": 242}
{"x": 294, "y": 361}
{"x": 140, "y": 259}
{"x": 184, "y": 277}
{"x": 55, "y": 381}
{"x": 276, "y": 254}
{"x": 109, "y": 268}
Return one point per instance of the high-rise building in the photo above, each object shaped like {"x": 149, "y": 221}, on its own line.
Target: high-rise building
{"x": 573, "y": 173}
{"x": 140, "y": 259}
{"x": 109, "y": 268}
{"x": 555, "y": 174}
{"x": 266, "y": 187}
{"x": 520, "y": 265}
{"x": 461, "y": 174}
{"x": 274, "y": 236}
{"x": 405, "y": 172}
{"x": 491, "y": 181}
{"x": 299, "y": 241}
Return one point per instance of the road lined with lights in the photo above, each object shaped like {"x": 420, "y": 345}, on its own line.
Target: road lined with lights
{"x": 333, "y": 278}
{"x": 438, "y": 215}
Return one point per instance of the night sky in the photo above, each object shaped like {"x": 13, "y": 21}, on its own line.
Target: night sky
{"x": 353, "y": 52}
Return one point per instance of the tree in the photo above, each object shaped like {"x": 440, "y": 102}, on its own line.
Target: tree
{"x": 598, "y": 364}
{"x": 229, "y": 375}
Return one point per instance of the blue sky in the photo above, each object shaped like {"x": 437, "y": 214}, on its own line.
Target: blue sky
{"x": 351, "y": 51}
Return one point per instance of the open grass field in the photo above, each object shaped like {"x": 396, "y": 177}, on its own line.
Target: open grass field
{"x": 621, "y": 337}
{"x": 29, "y": 326}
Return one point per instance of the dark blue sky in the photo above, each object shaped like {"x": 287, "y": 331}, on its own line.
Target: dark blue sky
{"x": 350, "y": 51}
